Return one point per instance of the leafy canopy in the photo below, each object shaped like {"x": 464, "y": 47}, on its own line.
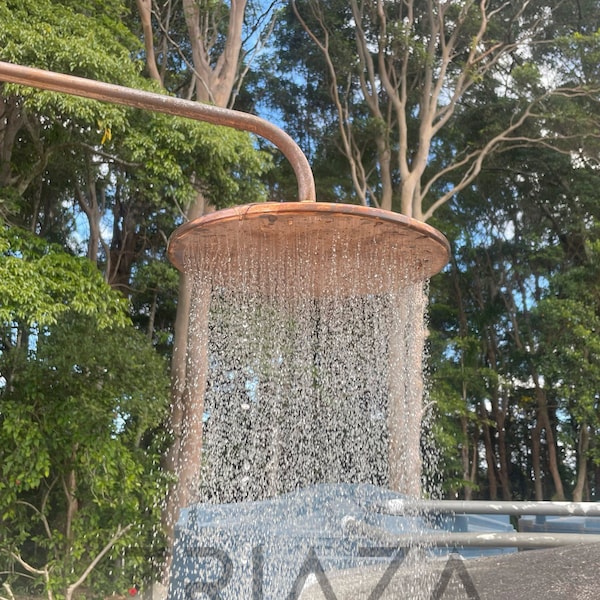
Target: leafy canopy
{"x": 41, "y": 282}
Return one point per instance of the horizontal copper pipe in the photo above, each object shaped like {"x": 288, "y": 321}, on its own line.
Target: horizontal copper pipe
{"x": 116, "y": 94}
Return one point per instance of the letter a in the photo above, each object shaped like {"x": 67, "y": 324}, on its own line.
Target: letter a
{"x": 455, "y": 564}
{"x": 312, "y": 565}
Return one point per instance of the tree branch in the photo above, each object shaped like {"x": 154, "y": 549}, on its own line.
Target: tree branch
{"x": 121, "y": 531}
{"x": 40, "y": 514}
{"x": 145, "y": 12}
{"x": 16, "y": 556}
{"x": 344, "y": 125}
{"x": 9, "y": 591}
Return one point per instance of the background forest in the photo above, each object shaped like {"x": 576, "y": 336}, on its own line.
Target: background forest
{"x": 481, "y": 118}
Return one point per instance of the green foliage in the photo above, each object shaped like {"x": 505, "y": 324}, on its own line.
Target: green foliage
{"x": 40, "y": 282}
{"x": 65, "y": 37}
{"x": 154, "y": 301}
{"x": 60, "y": 37}
{"x": 173, "y": 153}
{"x": 82, "y": 400}
{"x": 76, "y": 460}
{"x": 162, "y": 155}
{"x": 83, "y": 395}
{"x": 568, "y": 322}
{"x": 526, "y": 77}
{"x": 514, "y": 323}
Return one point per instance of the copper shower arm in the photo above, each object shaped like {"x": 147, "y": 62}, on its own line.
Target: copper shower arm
{"x": 116, "y": 94}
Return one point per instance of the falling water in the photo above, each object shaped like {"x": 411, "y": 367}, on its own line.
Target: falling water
{"x": 313, "y": 375}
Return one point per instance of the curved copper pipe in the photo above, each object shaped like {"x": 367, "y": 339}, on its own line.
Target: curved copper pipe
{"x": 107, "y": 92}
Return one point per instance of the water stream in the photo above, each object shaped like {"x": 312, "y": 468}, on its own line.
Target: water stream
{"x": 308, "y": 383}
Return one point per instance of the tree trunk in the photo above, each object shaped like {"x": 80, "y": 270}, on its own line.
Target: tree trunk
{"x": 474, "y": 470}
{"x": 536, "y": 463}
{"x": 469, "y": 458}
{"x": 489, "y": 454}
{"x": 124, "y": 245}
{"x": 405, "y": 403}
{"x": 190, "y": 367}
{"x": 69, "y": 482}
{"x": 145, "y": 12}
{"x": 214, "y": 81}
{"x": 214, "y": 77}
{"x": 503, "y": 457}
{"x": 544, "y": 419}
{"x": 190, "y": 450}
{"x": 11, "y": 121}
{"x": 583, "y": 447}
{"x": 152, "y": 316}
{"x": 87, "y": 200}
{"x": 465, "y": 456}
{"x": 180, "y": 383}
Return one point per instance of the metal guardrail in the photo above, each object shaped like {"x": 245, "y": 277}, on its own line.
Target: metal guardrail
{"x": 448, "y": 539}
{"x": 408, "y": 507}
{"x": 521, "y": 540}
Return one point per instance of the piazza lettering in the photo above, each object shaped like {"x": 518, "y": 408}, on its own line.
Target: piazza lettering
{"x": 211, "y": 590}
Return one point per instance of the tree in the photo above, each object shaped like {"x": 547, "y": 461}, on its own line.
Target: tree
{"x": 512, "y": 321}
{"x": 422, "y": 95}
{"x": 55, "y": 36}
{"x": 41, "y": 282}
{"x": 413, "y": 69}
{"x": 80, "y": 481}
{"x": 208, "y": 40}
{"x": 63, "y": 157}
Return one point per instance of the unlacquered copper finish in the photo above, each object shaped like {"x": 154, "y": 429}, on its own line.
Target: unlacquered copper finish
{"x": 276, "y": 249}
{"x": 317, "y": 248}
{"x": 117, "y": 94}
